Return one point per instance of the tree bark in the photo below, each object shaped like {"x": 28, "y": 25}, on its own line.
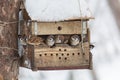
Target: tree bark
{"x": 115, "y": 6}
{"x": 9, "y": 14}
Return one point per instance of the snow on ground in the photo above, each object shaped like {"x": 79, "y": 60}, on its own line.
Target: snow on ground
{"x": 106, "y": 54}
{"x": 47, "y": 10}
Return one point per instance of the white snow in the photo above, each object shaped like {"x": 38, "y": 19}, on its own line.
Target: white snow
{"x": 57, "y": 10}
{"x": 105, "y": 34}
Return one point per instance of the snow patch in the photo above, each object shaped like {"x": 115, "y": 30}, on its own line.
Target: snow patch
{"x": 57, "y": 10}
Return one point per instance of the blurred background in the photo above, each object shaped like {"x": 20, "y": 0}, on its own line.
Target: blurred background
{"x": 105, "y": 36}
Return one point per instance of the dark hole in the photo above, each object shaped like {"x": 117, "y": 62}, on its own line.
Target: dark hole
{"x": 59, "y": 49}
{"x": 59, "y": 57}
{"x": 45, "y": 54}
{"x": 59, "y": 28}
{"x": 56, "y": 54}
{"x": 40, "y": 55}
{"x": 65, "y": 58}
{"x": 78, "y": 53}
{"x": 65, "y": 50}
{"x": 73, "y": 54}
{"x": 68, "y": 54}
{"x": 51, "y": 54}
{"x": 62, "y": 54}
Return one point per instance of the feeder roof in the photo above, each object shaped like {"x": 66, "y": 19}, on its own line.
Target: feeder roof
{"x": 57, "y": 10}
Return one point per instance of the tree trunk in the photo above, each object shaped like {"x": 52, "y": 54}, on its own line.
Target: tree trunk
{"x": 115, "y": 6}
{"x": 9, "y": 10}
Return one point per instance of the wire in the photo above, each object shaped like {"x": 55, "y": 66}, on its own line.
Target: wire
{"x": 80, "y": 8}
{"x": 12, "y": 22}
{"x": 8, "y": 48}
{"x": 4, "y": 23}
{"x": 81, "y": 26}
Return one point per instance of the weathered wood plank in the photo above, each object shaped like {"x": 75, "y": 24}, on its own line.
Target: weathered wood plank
{"x": 54, "y": 28}
{"x": 62, "y": 56}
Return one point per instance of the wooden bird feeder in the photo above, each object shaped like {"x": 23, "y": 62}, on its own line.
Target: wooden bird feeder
{"x": 59, "y": 45}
